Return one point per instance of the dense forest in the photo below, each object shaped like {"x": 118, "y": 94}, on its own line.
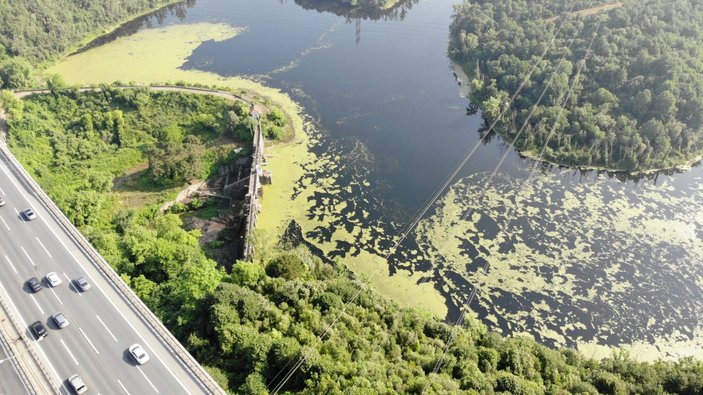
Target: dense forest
{"x": 41, "y": 30}
{"x": 638, "y": 103}
{"x": 250, "y": 321}
{"x": 34, "y": 32}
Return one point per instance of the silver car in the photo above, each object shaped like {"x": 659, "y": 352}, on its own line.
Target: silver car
{"x": 60, "y": 320}
{"x": 82, "y": 283}
{"x": 29, "y": 214}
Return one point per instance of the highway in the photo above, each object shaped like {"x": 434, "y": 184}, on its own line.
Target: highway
{"x": 102, "y": 325}
{"x": 10, "y": 382}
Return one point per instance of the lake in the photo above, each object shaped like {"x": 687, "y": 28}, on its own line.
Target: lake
{"x": 581, "y": 259}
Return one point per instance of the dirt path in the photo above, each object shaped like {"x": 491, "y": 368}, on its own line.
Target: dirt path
{"x": 592, "y": 10}
{"x": 158, "y": 88}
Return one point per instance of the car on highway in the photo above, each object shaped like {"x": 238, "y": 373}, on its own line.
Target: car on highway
{"x": 29, "y": 214}
{"x": 82, "y": 283}
{"x": 38, "y": 330}
{"x": 138, "y": 354}
{"x": 34, "y": 284}
{"x": 60, "y": 320}
{"x": 2, "y": 202}
{"x": 53, "y": 279}
{"x": 77, "y": 384}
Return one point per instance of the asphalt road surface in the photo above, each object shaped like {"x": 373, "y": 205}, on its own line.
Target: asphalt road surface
{"x": 10, "y": 383}
{"x": 102, "y": 326}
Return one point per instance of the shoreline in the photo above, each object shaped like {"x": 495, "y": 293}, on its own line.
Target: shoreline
{"x": 527, "y": 154}
{"x": 104, "y": 32}
{"x": 463, "y": 79}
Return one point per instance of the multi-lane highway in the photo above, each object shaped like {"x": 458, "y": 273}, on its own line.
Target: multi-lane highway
{"x": 102, "y": 325}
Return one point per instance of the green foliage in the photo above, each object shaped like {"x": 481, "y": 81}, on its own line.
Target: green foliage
{"x": 247, "y": 273}
{"x": 638, "y": 103}
{"x": 41, "y": 30}
{"x": 174, "y": 159}
{"x": 288, "y": 266}
{"x": 16, "y": 74}
{"x": 250, "y": 326}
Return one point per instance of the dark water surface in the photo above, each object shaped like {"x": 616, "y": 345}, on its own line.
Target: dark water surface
{"x": 383, "y": 96}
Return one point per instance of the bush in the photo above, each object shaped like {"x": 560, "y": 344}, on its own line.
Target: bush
{"x": 288, "y": 266}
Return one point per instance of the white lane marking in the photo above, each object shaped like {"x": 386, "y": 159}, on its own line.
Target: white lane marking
{"x": 24, "y": 195}
{"x": 42, "y": 246}
{"x": 27, "y": 255}
{"x": 10, "y": 262}
{"x": 71, "y": 284}
{"x": 12, "y": 180}
{"x": 106, "y": 328}
{"x": 3, "y": 192}
{"x": 57, "y": 296}
{"x": 35, "y": 302}
{"x": 5, "y": 223}
{"x": 147, "y": 379}
{"x": 123, "y": 387}
{"x": 115, "y": 307}
{"x": 24, "y": 325}
{"x": 17, "y": 211}
{"x": 89, "y": 342}
{"x": 69, "y": 351}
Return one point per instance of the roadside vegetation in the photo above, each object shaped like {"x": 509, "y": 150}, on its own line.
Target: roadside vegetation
{"x": 639, "y": 102}
{"x": 82, "y": 148}
{"x": 250, "y": 322}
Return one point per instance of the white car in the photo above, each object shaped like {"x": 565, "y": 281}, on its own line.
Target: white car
{"x": 2, "y": 202}
{"x": 139, "y": 354}
{"x": 53, "y": 279}
{"x": 77, "y": 384}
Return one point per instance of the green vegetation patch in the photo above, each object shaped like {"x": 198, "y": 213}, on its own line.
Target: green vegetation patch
{"x": 638, "y": 105}
{"x": 572, "y": 261}
{"x": 42, "y": 30}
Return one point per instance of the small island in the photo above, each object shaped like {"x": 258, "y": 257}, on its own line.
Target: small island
{"x": 638, "y": 104}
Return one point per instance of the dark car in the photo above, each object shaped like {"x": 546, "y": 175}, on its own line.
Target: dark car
{"x": 39, "y": 330}
{"x": 29, "y": 214}
{"x": 34, "y": 284}
{"x": 82, "y": 283}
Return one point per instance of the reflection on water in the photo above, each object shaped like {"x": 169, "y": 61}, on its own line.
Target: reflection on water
{"x": 356, "y": 13}
{"x": 149, "y": 21}
{"x": 396, "y": 12}
{"x": 589, "y": 256}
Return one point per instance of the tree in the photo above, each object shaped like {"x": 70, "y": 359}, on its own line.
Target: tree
{"x": 16, "y": 73}
{"x": 288, "y": 266}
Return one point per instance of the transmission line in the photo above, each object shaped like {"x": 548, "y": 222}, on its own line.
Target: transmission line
{"x": 462, "y": 315}
{"x": 419, "y": 215}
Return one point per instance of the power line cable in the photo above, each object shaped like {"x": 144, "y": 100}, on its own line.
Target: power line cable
{"x": 426, "y": 208}
{"x": 518, "y": 134}
{"x": 460, "y": 320}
